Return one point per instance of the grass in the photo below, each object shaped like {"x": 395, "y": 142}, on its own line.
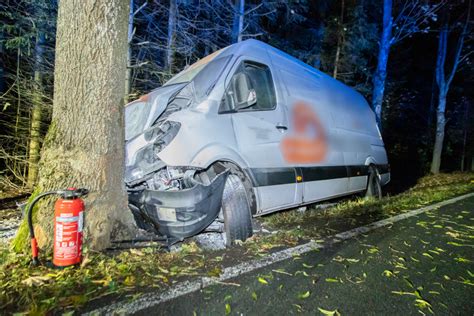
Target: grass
{"x": 126, "y": 274}
{"x": 315, "y": 223}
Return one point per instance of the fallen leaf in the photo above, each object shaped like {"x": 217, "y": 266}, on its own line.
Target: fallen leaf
{"x": 254, "y": 296}
{"x": 407, "y": 281}
{"x": 302, "y": 272}
{"x": 282, "y": 271}
{"x": 422, "y": 303}
{"x": 332, "y": 280}
{"x": 403, "y": 293}
{"x": 462, "y": 260}
{"x": 35, "y": 280}
{"x": 329, "y": 313}
{"x": 427, "y": 255}
{"x": 262, "y": 280}
{"x": 304, "y": 295}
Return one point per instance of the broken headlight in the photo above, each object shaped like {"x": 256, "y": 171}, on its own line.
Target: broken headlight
{"x": 147, "y": 161}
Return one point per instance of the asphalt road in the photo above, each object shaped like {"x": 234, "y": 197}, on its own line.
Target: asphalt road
{"x": 424, "y": 264}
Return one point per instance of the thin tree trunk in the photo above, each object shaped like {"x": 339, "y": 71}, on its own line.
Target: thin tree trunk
{"x": 37, "y": 111}
{"x": 2, "y": 71}
{"x": 18, "y": 90}
{"x": 444, "y": 80}
{"x": 340, "y": 40}
{"x": 238, "y": 25}
{"x": 380, "y": 75}
{"x": 84, "y": 146}
{"x": 128, "y": 71}
{"x": 439, "y": 139}
{"x": 464, "y": 141}
{"x": 170, "y": 40}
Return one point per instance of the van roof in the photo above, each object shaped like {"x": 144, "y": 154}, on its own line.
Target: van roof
{"x": 256, "y": 45}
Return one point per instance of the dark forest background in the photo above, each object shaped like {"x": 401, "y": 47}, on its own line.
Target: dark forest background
{"x": 339, "y": 37}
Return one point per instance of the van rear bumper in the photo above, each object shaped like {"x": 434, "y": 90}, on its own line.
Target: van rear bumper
{"x": 181, "y": 213}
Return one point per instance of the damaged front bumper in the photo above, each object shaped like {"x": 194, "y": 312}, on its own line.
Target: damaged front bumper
{"x": 178, "y": 214}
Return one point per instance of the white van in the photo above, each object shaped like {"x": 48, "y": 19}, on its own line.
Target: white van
{"x": 246, "y": 131}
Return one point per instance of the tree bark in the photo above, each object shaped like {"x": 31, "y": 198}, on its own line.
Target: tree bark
{"x": 37, "y": 111}
{"x": 464, "y": 138}
{"x": 171, "y": 38}
{"x": 440, "y": 126}
{"x": 340, "y": 41}
{"x": 84, "y": 146}
{"x": 2, "y": 66}
{"x": 380, "y": 75}
{"x": 238, "y": 25}
{"x": 128, "y": 70}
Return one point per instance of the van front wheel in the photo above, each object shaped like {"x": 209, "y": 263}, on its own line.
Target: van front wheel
{"x": 374, "y": 188}
{"x": 236, "y": 211}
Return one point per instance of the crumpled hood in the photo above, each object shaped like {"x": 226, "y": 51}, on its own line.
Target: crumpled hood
{"x": 158, "y": 106}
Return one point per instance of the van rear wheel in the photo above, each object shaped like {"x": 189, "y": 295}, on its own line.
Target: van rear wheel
{"x": 374, "y": 188}
{"x": 236, "y": 211}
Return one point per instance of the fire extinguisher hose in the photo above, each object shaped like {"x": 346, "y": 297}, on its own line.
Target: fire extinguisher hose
{"x": 29, "y": 212}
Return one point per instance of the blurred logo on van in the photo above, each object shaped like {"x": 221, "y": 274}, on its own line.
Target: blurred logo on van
{"x": 307, "y": 143}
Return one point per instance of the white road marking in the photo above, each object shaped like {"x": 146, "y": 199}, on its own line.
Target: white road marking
{"x": 153, "y": 299}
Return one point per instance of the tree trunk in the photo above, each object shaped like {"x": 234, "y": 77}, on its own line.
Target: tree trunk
{"x": 340, "y": 41}
{"x": 128, "y": 71}
{"x": 444, "y": 80}
{"x": 84, "y": 146}
{"x": 439, "y": 139}
{"x": 464, "y": 139}
{"x": 170, "y": 40}
{"x": 2, "y": 66}
{"x": 238, "y": 25}
{"x": 37, "y": 111}
{"x": 381, "y": 72}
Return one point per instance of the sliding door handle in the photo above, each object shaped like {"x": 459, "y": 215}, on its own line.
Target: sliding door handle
{"x": 281, "y": 127}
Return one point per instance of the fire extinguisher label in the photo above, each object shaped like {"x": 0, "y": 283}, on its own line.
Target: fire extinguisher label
{"x": 67, "y": 229}
{"x": 59, "y": 232}
{"x": 81, "y": 221}
{"x": 64, "y": 219}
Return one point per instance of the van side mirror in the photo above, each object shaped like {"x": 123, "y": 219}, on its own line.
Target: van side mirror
{"x": 245, "y": 95}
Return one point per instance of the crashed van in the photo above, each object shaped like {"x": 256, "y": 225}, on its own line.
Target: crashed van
{"x": 243, "y": 132}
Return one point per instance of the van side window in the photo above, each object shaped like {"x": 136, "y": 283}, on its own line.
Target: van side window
{"x": 250, "y": 89}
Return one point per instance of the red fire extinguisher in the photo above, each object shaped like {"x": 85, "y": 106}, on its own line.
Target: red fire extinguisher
{"x": 68, "y": 225}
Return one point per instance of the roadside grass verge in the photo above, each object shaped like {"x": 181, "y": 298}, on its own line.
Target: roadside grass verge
{"x": 315, "y": 223}
{"x": 38, "y": 290}
{"x": 126, "y": 274}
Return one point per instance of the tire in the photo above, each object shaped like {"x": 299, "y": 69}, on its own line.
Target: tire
{"x": 236, "y": 211}
{"x": 374, "y": 188}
